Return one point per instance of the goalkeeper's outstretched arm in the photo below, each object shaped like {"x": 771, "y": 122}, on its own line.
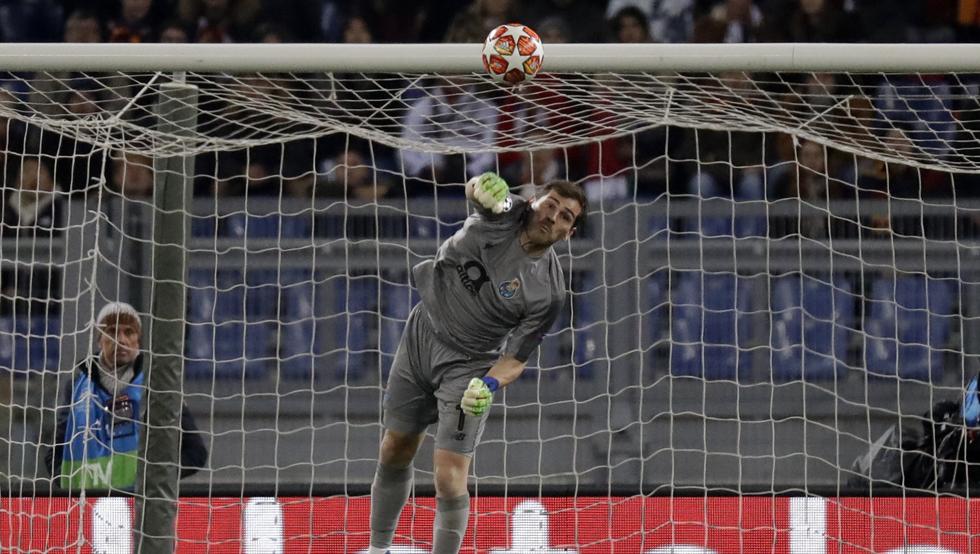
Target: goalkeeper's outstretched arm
{"x": 506, "y": 370}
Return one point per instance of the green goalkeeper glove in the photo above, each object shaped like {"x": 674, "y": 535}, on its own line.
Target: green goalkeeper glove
{"x": 490, "y": 191}
{"x": 478, "y": 396}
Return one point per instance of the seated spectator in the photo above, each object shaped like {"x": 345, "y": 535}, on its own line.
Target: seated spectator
{"x": 350, "y": 176}
{"x": 83, "y": 26}
{"x": 922, "y": 105}
{"x": 476, "y": 21}
{"x": 34, "y": 207}
{"x": 553, "y": 30}
{"x": 271, "y": 34}
{"x": 269, "y": 170}
{"x": 667, "y": 20}
{"x": 629, "y": 25}
{"x": 101, "y": 410}
{"x": 133, "y": 22}
{"x": 552, "y": 18}
{"x": 730, "y": 21}
{"x": 815, "y": 21}
{"x": 82, "y": 98}
{"x": 132, "y": 175}
{"x": 814, "y": 177}
{"x": 173, "y": 32}
{"x": 451, "y": 114}
{"x": 219, "y": 21}
{"x": 537, "y": 168}
{"x": 48, "y": 92}
{"x": 357, "y": 30}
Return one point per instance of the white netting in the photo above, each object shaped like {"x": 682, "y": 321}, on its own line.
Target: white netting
{"x": 852, "y": 112}
{"x": 778, "y": 267}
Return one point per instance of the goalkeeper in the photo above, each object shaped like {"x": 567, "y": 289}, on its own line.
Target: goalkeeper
{"x": 492, "y": 291}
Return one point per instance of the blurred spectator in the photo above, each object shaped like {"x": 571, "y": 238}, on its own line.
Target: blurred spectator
{"x": 726, "y": 164}
{"x": 13, "y": 135}
{"x": 307, "y": 20}
{"x": 476, "y": 21}
{"x": 921, "y": 104}
{"x": 537, "y": 167}
{"x": 218, "y": 21}
{"x": 819, "y": 90}
{"x": 30, "y": 20}
{"x": 48, "y": 91}
{"x": 357, "y": 30}
{"x": 888, "y": 181}
{"x": 667, "y": 20}
{"x": 173, "y": 32}
{"x": 629, "y": 25}
{"x": 730, "y": 21}
{"x": 32, "y": 209}
{"x": 133, "y": 22}
{"x": 350, "y": 175}
{"x": 83, "y": 26}
{"x": 450, "y": 114}
{"x": 807, "y": 176}
{"x": 79, "y": 163}
{"x": 271, "y": 170}
{"x": 553, "y": 16}
{"x": 553, "y": 30}
{"x": 357, "y": 98}
{"x": 967, "y": 19}
{"x": 816, "y": 21}
{"x": 808, "y": 181}
{"x": 132, "y": 175}
{"x": 34, "y": 206}
{"x": 269, "y": 33}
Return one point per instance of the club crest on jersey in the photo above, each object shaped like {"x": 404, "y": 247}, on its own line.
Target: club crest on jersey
{"x": 508, "y": 289}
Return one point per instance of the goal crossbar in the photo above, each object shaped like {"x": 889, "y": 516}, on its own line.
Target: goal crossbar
{"x": 464, "y": 58}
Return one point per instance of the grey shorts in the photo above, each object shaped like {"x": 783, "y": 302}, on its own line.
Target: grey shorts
{"x": 426, "y": 382}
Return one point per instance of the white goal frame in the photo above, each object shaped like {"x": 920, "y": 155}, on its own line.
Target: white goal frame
{"x": 465, "y": 58}
{"x": 453, "y": 58}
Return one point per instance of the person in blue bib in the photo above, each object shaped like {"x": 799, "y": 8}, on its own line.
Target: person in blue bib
{"x": 101, "y": 411}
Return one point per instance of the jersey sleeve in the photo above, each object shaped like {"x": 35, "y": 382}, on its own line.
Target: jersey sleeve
{"x": 526, "y": 338}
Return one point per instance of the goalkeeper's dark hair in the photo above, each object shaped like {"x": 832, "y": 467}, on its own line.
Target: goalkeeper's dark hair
{"x": 568, "y": 189}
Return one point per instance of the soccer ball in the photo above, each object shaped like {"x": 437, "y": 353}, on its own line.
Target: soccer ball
{"x": 513, "y": 53}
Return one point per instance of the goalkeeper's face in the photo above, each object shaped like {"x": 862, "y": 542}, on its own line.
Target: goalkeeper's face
{"x": 119, "y": 341}
{"x": 552, "y": 219}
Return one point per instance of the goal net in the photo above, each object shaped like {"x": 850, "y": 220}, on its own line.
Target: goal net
{"x": 775, "y": 296}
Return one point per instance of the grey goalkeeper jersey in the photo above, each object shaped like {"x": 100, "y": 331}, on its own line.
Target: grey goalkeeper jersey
{"x": 484, "y": 294}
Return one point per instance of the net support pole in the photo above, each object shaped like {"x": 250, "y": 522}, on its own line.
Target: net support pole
{"x": 159, "y": 472}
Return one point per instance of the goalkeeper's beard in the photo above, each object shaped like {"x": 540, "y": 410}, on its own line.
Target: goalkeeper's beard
{"x": 538, "y": 234}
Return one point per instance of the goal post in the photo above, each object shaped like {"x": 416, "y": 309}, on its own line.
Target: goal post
{"x": 156, "y": 484}
{"x": 778, "y": 283}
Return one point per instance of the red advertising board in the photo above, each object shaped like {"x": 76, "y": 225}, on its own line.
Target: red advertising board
{"x": 585, "y": 525}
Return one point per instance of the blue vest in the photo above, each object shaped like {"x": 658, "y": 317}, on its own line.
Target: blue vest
{"x": 102, "y": 433}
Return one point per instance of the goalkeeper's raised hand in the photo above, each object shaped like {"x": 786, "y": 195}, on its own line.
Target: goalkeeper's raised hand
{"x": 490, "y": 191}
{"x": 478, "y": 396}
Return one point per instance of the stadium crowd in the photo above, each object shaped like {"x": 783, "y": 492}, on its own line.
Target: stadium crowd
{"x": 339, "y": 164}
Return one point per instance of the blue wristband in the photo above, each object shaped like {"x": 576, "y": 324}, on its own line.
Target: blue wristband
{"x": 492, "y": 383}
